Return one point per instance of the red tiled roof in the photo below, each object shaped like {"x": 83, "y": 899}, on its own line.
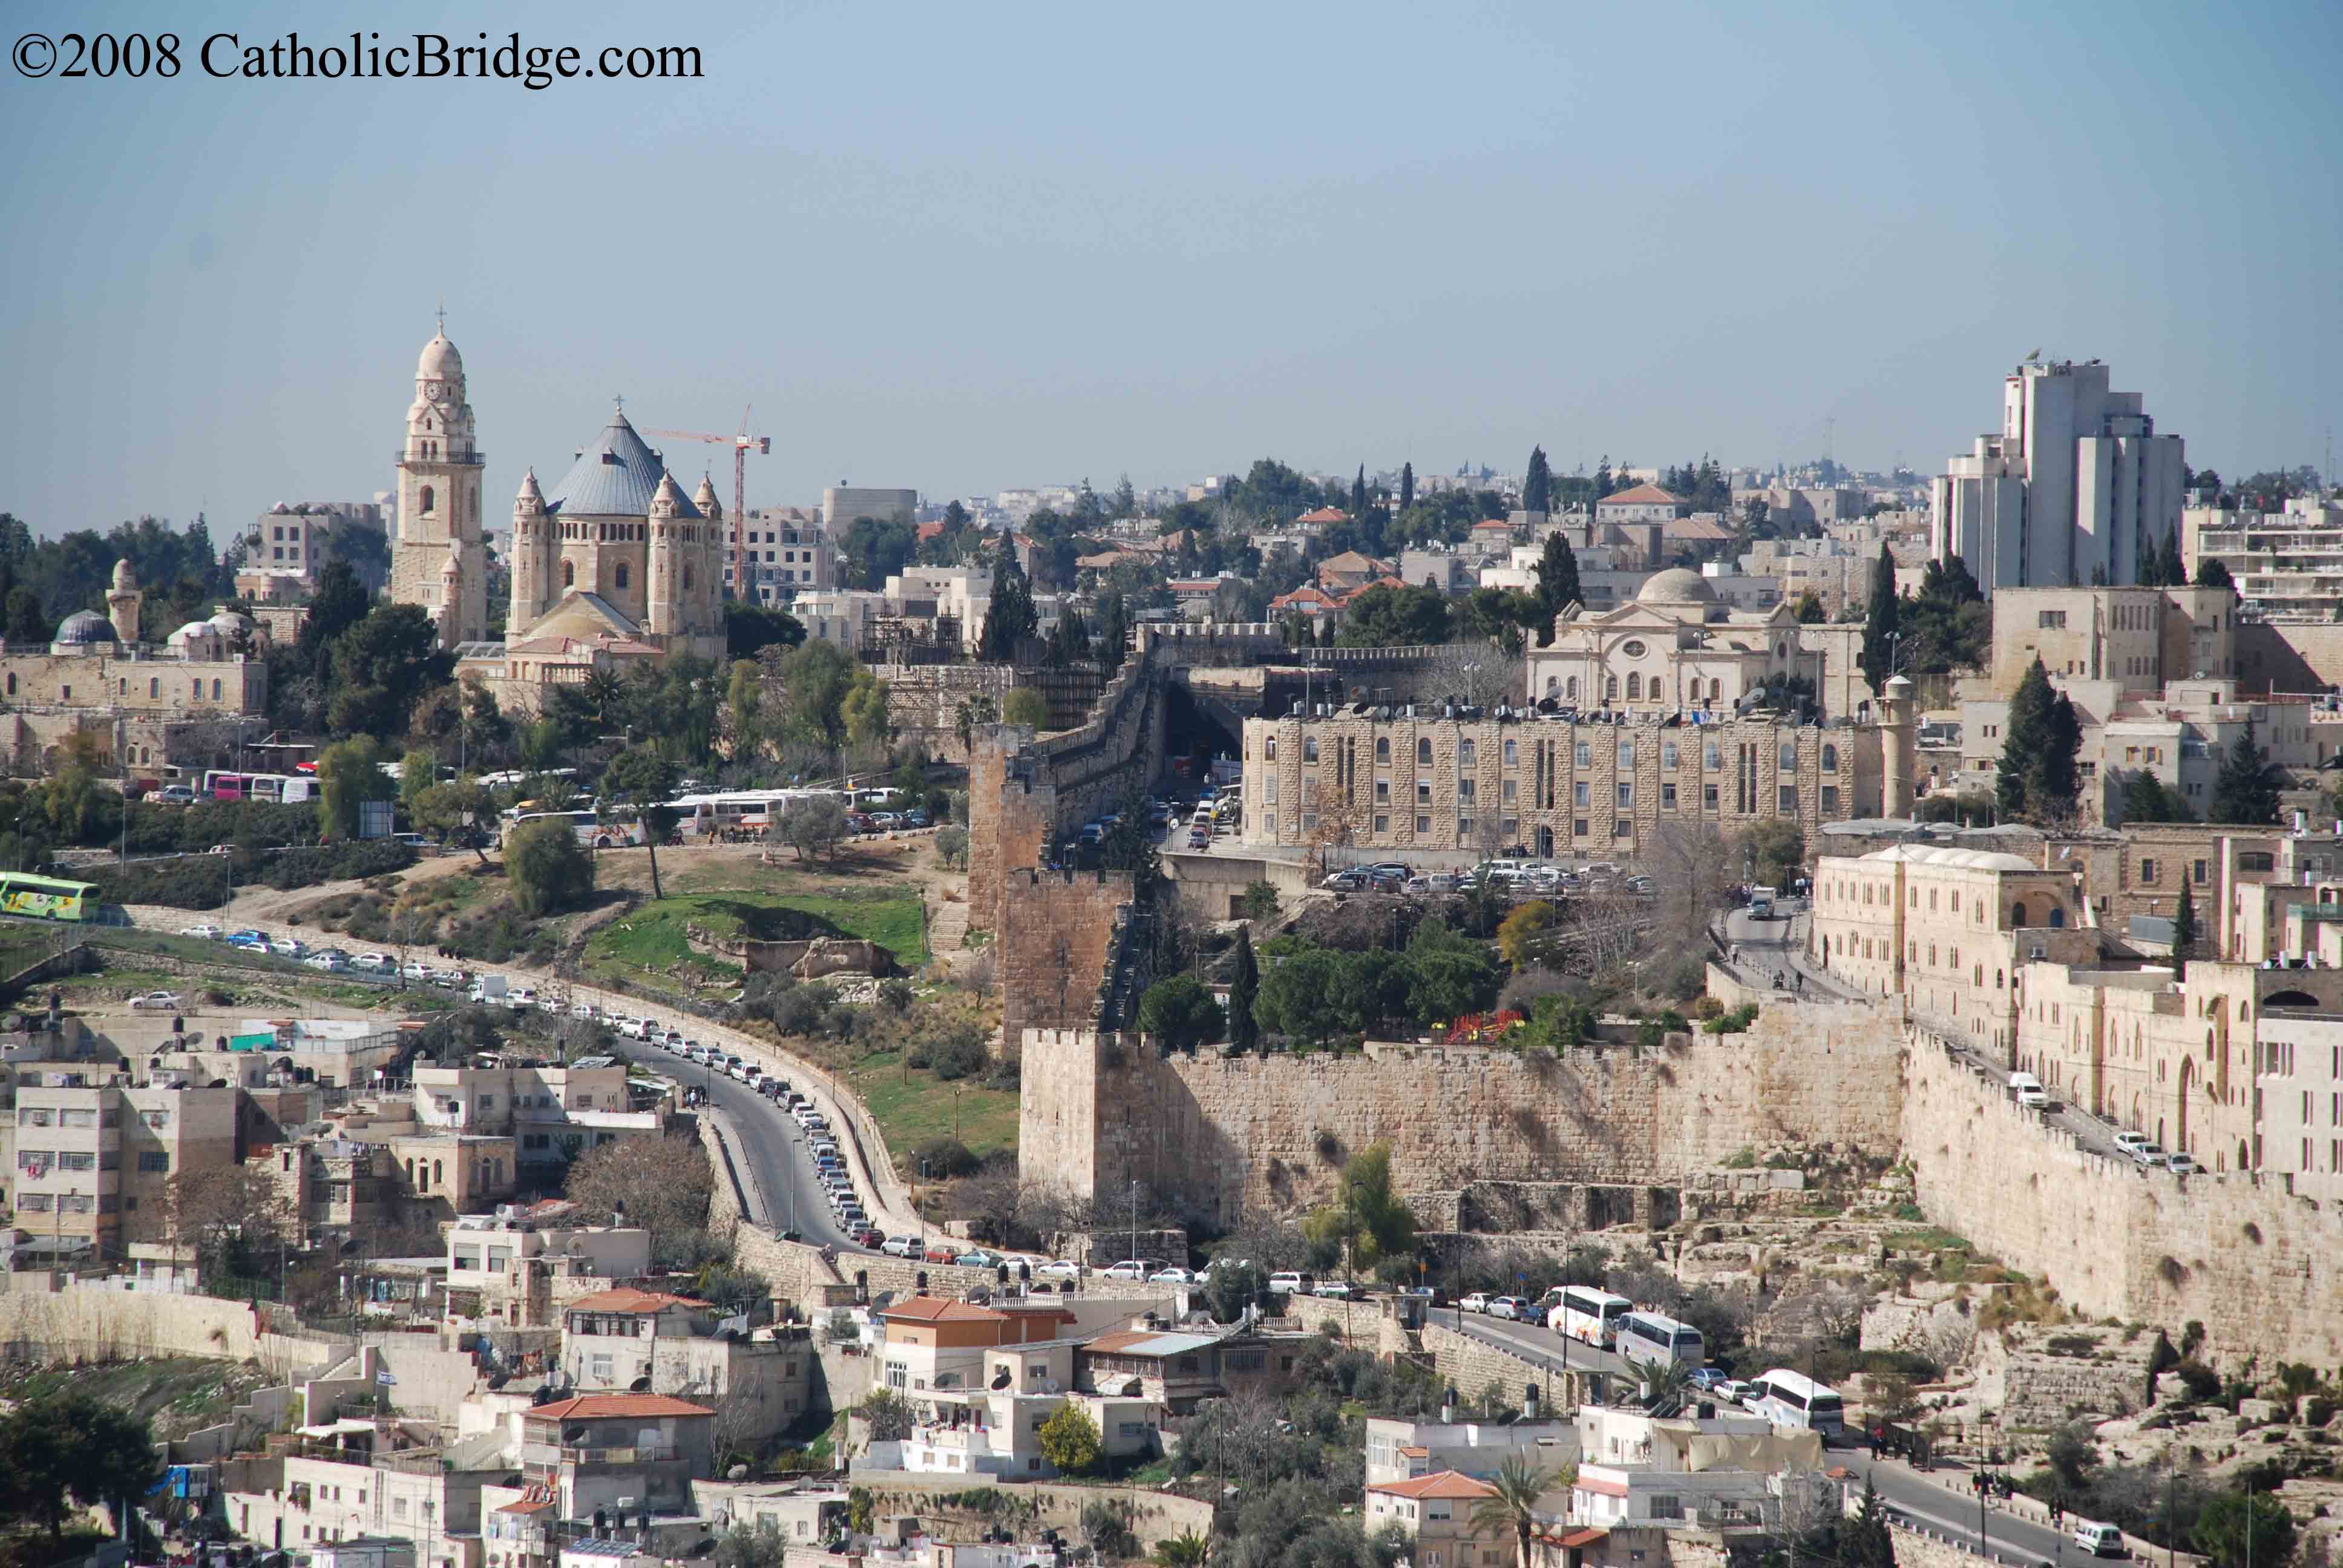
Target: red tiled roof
{"x": 591, "y": 1406}
{"x": 1306, "y": 594}
{"x": 626, "y": 1299}
{"x": 1325, "y": 515}
{"x": 1696, "y": 529}
{"x": 1498, "y": 523}
{"x": 936, "y": 1310}
{"x": 931, "y": 530}
{"x": 1645, "y": 494}
{"x": 1446, "y": 1484}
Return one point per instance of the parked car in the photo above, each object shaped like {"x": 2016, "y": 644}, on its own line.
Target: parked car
{"x": 415, "y": 970}
{"x": 1708, "y": 1379}
{"x": 1733, "y": 1391}
{"x": 1199, "y": 838}
{"x": 900, "y": 1246}
{"x": 1287, "y": 1283}
{"x": 1060, "y": 1269}
{"x": 1512, "y": 1309}
{"x": 333, "y": 960}
{"x": 1435, "y": 882}
{"x": 1133, "y": 1270}
{"x": 1334, "y": 1290}
{"x": 2182, "y": 1165}
{"x": 288, "y": 947}
{"x": 376, "y": 963}
{"x": 1478, "y": 1301}
{"x": 174, "y": 795}
{"x": 2151, "y": 1155}
{"x": 870, "y": 1236}
{"x": 1349, "y": 879}
{"x": 209, "y": 932}
{"x": 1174, "y": 1275}
{"x": 2129, "y": 1143}
{"x": 154, "y": 1002}
{"x": 941, "y": 1252}
{"x": 979, "y": 1258}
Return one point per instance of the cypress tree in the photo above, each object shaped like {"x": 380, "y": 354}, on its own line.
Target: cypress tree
{"x": 1359, "y": 495}
{"x": 1880, "y": 620}
{"x": 1557, "y": 589}
{"x": 2026, "y": 738}
{"x": 1114, "y": 631}
{"x": 1406, "y": 486}
{"x": 2184, "y": 922}
{"x": 2056, "y": 779}
{"x": 1537, "y": 484}
{"x": 2245, "y": 792}
{"x": 1245, "y": 1032}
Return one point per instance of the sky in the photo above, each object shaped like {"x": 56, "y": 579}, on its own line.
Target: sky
{"x": 964, "y": 248}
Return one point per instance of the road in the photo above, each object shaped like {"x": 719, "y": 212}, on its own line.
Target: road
{"x": 1946, "y": 1505}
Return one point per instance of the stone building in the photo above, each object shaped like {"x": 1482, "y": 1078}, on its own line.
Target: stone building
{"x": 1677, "y": 646}
{"x": 439, "y": 559}
{"x": 2139, "y": 637}
{"x": 1414, "y": 780}
{"x": 94, "y": 1162}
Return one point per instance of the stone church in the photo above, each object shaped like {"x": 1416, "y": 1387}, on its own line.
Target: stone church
{"x": 612, "y": 564}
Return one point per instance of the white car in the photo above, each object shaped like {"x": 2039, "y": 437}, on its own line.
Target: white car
{"x": 1060, "y": 1269}
{"x": 1286, "y": 1284}
{"x": 2182, "y": 1165}
{"x": 378, "y": 963}
{"x": 1175, "y": 1275}
{"x": 585, "y": 1010}
{"x": 1333, "y": 1290}
{"x": 415, "y": 970}
{"x": 901, "y": 1247}
{"x": 2150, "y": 1156}
{"x": 332, "y": 961}
{"x": 155, "y": 1002}
{"x": 1131, "y": 1270}
{"x": 209, "y": 932}
{"x": 288, "y": 947}
{"x": 1512, "y": 1309}
{"x": 1478, "y": 1301}
{"x": 2130, "y": 1142}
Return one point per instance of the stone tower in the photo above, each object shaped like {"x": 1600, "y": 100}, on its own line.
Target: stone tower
{"x": 669, "y": 519}
{"x": 122, "y": 604}
{"x": 440, "y": 499}
{"x": 531, "y": 552}
{"x": 1898, "y": 752}
{"x": 704, "y": 564}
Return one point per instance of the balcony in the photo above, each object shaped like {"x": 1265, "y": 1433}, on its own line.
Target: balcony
{"x": 546, "y": 1455}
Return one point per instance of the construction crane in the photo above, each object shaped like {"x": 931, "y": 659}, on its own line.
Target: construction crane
{"x": 742, "y": 444}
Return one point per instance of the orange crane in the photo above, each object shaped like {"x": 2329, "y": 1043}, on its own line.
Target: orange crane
{"x": 742, "y": 444}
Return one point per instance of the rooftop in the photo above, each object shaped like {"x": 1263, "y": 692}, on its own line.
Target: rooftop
{"x": 626, "y": 1299}
{"x": 604, "y": 1406}
{"x": 1447, "y": 1483}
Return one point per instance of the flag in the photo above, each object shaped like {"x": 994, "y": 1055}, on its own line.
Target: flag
{"x": 384, "y": 1378}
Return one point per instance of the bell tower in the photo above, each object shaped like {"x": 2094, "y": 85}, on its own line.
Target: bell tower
{"x": 439, "y": 471}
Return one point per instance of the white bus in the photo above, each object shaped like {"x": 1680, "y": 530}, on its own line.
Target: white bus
{"x": 591, "y": 830}
{"x": 747, "y": 809}
{"x": 221, "y": 784}
{"x": 1787, "y": 1398}
{"x": 1648, "y": 1339}
{"x": 1589, "y": 1316}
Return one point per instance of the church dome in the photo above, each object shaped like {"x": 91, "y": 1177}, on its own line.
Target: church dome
{"x": 227, "y": 622}
{"x": 124, "y": 579}
{"x": 441, "y": 361}
{"x": 85, "y": 626}
{"x": 1676, "y": 586}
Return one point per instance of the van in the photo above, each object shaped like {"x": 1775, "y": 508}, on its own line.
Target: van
{"x": 1787, "y": 1398}
{"x": 2100, "y": 1540}
{"x": 2028, "y": 1091}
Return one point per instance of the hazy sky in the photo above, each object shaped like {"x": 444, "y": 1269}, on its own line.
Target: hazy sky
{"x": 962, "y": 247}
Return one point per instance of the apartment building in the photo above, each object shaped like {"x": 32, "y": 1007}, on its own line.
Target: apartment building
{"x": 549, "y": 1112}
{"x": 94, "y": 1155}
{"x": 650, "y": 1341}
{"x": 2139, "y": 637}
{"x": 634, "y": 1454}
{"x": 2298, "y": 1079}
{"x": 518, "y": 1268}
{"x": 992, "y": 1426}
{"x": 1725, "y": 1474}
{"x": 790, "y": 549}
{"x": 1408, "y": 779}
{"x": 933, "y": 1344}
{"x": 1438, "y": 1514}
{"x": 2287, "y": 564}
{"x": 344, "y": 1487}
{"x": 1409, "y": 1449}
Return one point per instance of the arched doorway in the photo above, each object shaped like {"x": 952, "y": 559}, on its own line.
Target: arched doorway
{"x": 2181, "y": 1112}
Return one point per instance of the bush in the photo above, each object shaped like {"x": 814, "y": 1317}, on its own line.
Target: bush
{"x": 953, "y": 1052}
{"x": 2200, "y": 1381}
{"x": 943, "y": 1157}
{"x": 952, "y": 846}
{"x": 549, "y": 869}
{"x": 1734, "y": 1022}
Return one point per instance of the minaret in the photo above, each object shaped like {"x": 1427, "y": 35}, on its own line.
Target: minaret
{"x": 122, "y": 604}
{"x": 1898, "y": 759}
{"x": 439, "y": 491}
{"x": 664, "y": 599}
{"x": 531, "y": 539}
{"x": 451, "y": 601}
{"x": 703, "y": 560}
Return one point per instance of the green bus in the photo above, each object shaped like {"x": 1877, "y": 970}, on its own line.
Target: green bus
{"x": 47, "y": 897}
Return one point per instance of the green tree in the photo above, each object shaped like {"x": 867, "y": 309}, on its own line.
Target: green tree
{"x": 864, "y": 709}
{"x": 418, "y": 770}
{"x": 2211, "y": 573}
{"x": 457, "y": 812}
{"x": 1406, "y": 486}
{"x": 2246, "y": 789}
{"x": 340, "y": 603}
{"x": 2184, "y": 921}
{"x": 1375, "y": 1222}
{"x": 1864, "y": 1540}
{"x": 1113, "y": 633}
{"x": 1882, "y": 619}
{"x": 814, "y": 826}
{"x": 1447, "y": 976}
{"x": 1026, "y": 705}
{"x": 1185, "y": 1550}
{"x": 1244, "y": 990}
{"x": 1181, "y": 1014}
{"x": 1299, "y": 997}
{"x": 2037, "y": 777}
{"x": 641, "y": 778}
{"x": 749, "y": 629}
{"x": 1069, "y": 1439}
{"x": 1518, "y": 1485}
{"x": 1558, "y": 587}
{"x": 1010, "y": 619}
{"x": 69, "y": 1446}
{"x": 2237, "y": 1530}
{"x": 1810, "y": 611}
{"x": 1537, "y": 484}
{"x": 2146, "y": 799}
{"x": 382, "y": 666}
{"x": 349, "y": 772}
{"x": 1386, "y": 617}
{"x": 1259, "y": 902}
{"x": 815, "y": 678}
{"x": 1775, "y": 849}
{"x": 549, "y": 869}
{"x": 1520, "y": 933}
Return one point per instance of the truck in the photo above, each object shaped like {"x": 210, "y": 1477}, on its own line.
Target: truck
{"x": 1761, "y": 903}
{"x": 490, "y": 990}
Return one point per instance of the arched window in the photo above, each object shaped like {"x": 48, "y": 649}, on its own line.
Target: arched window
{"x": 2017, "y": 917}
{"x": 11, "y": 683}
{"x": 1423, "y": 753}
{"x": 1716, "y": 691}
{"x": 216, "y": 688}
{"x": 439, "y": 1171}
{"x": 569, "y": 574}
{"x": 619, "y": 577}
{"x": 1830, "y": 765}
{"x": 2058, "y": 919}
{"x": 1572, "y": 690}
{"x": 430, "y": 499}
{"x": 1610, "y": 689}
{"x": 1554, "y": 686}
{"x": 1635, "y": 687}
{"x": 153, "y": 688}
{"x": 686, "y": 580}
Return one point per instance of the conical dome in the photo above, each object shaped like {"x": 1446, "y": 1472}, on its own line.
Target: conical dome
{"x": 439, "y": 361}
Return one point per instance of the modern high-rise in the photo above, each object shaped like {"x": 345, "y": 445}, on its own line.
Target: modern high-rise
{"x": 2077, "y": 486}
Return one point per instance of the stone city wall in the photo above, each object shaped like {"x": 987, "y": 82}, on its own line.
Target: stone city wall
{"x": 1272, "y": 1132}
{"x": 1154, "y": 1517}
{"x": 1056, "y": 934}
{"x": 923, "y": 701}
{"x": 2261, "y": 1267}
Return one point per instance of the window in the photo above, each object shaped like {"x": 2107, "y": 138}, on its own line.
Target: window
{"x": 2148, "y": 871}
{"x": 153, "y": 1164}
{"x": 1667, "y": 797}
{"x": 1708, "y": 797}
{"x": 1626, "y": 797}
{"x": 1709, "y": 756}
{"x": 1465, "y": 753}
{"x": 1788, "y": 802}
{"x": 1513, "y": 756}
{"x": 1579, "y": 795}
{"x": 1269, "y": 749}
{"x": 1830, "y": 799}
{"x": 430, "y": 499}
{"x": 1635, "y": 687}
{"x": 1789, "y": 758}
{"x": 1465, "y": 790}
{"x": 1623, "y": 829}
{"x": 1667, "y": 753}
{"x": 2050, "y": 620}
{"x": 1382, "y": 748}
{"x": 1626, "y": 754}
{"x": 618, "y": 578}
{"x": 569, "y": 574}
{"x": 1423, "y": 824}
{"x": 1505, "y": 791}
{"x": 1583, "y": 754}
{"x": 1382, "y": 824}
{"x": 1382, "y": 791}
{"x": 1309, "y": 749}
{"x": 1579, "y": 827}
{"x": 1830, "y": 758}
{"x": 1423, "y": 753}
{"x": 1423, "y": 792}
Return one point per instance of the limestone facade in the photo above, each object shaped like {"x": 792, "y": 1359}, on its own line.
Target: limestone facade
{"x": 1417, "y": 780}
{"x": 438, "y": 559}
{"x": 1676, "y": 646}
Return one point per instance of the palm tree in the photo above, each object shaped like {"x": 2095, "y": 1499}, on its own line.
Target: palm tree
{"x": 1668, "y": 1381}
{"x": 603, "y": 690}
{"x": 1186, "y": 1549}
{"x": 1518, "y": 1485}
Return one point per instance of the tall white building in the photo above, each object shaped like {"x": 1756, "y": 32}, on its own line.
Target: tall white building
{"x": 438, "y": 559}
{"x": 2076, "y": 486}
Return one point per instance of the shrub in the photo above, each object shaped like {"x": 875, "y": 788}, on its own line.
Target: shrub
{"x": 2200, "y": 1381}
{"x": 954, "y": 1052}
{"x": 952, "y": 846}
{"x": 945, "y": 1157}
{"x": 549, "y": 869}
{"x": 1734, "y": 1022}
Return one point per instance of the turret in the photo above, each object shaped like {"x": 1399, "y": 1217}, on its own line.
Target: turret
{"x": 704, "y": 558}
{"x": 451, "y": 598}
{"x": 664, "y": 592}
{"x": 1899, "y": 754}
{"x": 531, "y": 547}
{"x": 121, "y": 603}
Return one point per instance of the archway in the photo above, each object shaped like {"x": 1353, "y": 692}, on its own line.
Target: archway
{"x": 2181, "y": 1112}
{"x": 2017, "y": 917}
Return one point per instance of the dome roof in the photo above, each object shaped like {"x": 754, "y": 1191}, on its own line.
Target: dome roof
{"x": 439, "y": 361}
{"x": 1676, "y": 586}
{"x": 617, "y": 477}
{"x": 228, "y": 620}
{"x": 124, "y": 579}
{"x": 86, "y": 625}
{"x": 194, "y": 629}
{"x": 1941, "y": 855}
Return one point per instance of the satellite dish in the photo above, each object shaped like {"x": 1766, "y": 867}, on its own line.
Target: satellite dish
{"x": 640, "y": 1385}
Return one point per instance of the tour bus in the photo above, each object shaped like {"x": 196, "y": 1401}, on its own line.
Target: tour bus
{"x": 587, "y": 824}
{"x": 748, "y": 809}
{"x": 1793, "y": 1399}
{"x": 220, "y": 784}
{"x": 1648, "y": 1339}
{"x": 47, "y": 897}
{"x": 1589, "y": 1316}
